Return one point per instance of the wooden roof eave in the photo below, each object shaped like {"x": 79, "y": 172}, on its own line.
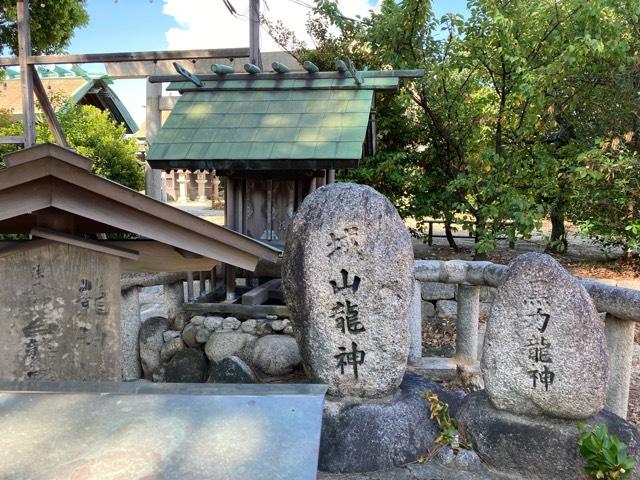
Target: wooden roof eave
{"x": 35, "y": 196}
{"x": 21, "y": 193}
{"x": 142, "y": 203}
{"x": 86, "y": 203}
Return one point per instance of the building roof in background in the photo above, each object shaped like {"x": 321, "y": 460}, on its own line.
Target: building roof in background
{"x": 75, "y": 84}
{"x": 270, "y": 121}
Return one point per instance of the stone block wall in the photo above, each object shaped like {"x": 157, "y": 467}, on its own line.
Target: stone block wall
{"x": 439, "y": 314}
{"x": 439, "y": 301}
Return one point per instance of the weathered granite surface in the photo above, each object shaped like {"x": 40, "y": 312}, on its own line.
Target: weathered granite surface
{"x": 536, "y": 448}
{"x": 225, "y": 344}
{"x": 151, "y": 341}
{"x": 60, "y": 315}
{"x": 545, "y": 350}
{"x": 363, "y": 435}
{"x": 231, "y": 370}
{"x": 276, "y": 354}
{"x": 348, "y": 281}
{"x": 186, "y": 366}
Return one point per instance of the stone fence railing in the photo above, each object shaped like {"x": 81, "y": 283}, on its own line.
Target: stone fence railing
{"x": 621, "y": 307}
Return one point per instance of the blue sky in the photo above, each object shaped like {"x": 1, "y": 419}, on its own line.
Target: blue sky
{"x": 137, "y": 25}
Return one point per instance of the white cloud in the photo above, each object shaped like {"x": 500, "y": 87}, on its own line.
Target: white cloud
{"x": 208, "y": 23}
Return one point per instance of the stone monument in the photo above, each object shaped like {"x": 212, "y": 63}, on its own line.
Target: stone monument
{"x": 348, "y": 280}
{"x": 62, "y": 317}
{"x": 60, "y": 288}
{"x": 545, "y": 351}
{"x": 545, "y": 366}
{"x": 348, "y": 276}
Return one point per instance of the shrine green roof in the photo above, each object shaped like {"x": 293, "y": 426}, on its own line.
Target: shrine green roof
{"x": 269, "y": 121}
{"x": 252, "y": 129}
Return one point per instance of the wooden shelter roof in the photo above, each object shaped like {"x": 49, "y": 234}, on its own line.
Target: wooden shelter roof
{"x": 47, "y": 191}
{"x": 270, "y": 121}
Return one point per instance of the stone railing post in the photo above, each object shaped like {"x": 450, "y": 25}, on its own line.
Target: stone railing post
{"x": 620, "y": 345}
{"x": 415, "y": 324}
{"x": 215, "y": 189}
{"x": 173, "y": 299}
{"x": 467, "y": 322}
{"x": 130, "y": 326}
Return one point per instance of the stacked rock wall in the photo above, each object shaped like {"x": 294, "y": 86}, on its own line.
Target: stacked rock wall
{"x": 191, "y": 354}
{"x": 439, "y": 313}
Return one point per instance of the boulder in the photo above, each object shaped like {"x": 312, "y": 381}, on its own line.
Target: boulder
{"x": 189, "y": 335}
{"x": 213, "y": 323}
{"x": 263, "y": 327}
{"x": 276, "y": 354}
{"x": 249, "y": 326}
{"x": 535, "y": 448}
{"x": 231, "y": 370}
{"x": 365, "y": 435}
{"x": 187, "y": 366}
{"x": 202, "y": 334}
{"x": 169, "y": 334}
{"x": 170, "y": 348}
{"x": 231, "y": 323}
{"x": 151, "y": 341}
{"x": 348, "y": 278}
{"x": 278, "y": 325}
{"x": 545, "y": 350}
{"x": 225, "y": 344}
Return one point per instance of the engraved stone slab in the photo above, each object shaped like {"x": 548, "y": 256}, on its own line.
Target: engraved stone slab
{"x": 545, "y": 350}
{"x": 60, "y": 315}
{"x": 348, "y": 280}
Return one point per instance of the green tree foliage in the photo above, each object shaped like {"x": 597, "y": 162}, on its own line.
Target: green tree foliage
{"x": 93, "y": 134}
{"x": 52, "y": 24}
{"x": 512, "y": 94}
{"x": 607, "y": 194}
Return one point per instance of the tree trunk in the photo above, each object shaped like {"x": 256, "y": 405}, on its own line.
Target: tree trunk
{"x": 480, "y": 229}
{"x": 449, "y": 234}
{"x": 558, "y": 241}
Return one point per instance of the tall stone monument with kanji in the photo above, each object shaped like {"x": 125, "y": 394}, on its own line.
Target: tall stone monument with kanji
{"x": 348, "y": 275}
{"x": 348, "y": 279}
{"x": 545, "y": 351}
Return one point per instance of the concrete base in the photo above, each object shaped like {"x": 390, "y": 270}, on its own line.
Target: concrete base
{"x": 367, "y": 435}
{"x": 439, "y": 368}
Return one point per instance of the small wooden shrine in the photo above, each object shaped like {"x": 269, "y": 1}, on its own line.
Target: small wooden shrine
{"x": 273, "y": 137}
{"x": 76, "y": 232}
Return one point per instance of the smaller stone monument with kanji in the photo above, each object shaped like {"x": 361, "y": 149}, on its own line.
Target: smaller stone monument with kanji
{"x": 546, "y": 367}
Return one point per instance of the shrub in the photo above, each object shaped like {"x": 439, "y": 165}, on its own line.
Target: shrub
{"x": 605, "y": 455}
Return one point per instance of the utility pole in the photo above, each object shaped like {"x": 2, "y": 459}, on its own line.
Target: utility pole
{"x": 254, "y": 33}
{"x": 26, "y": 80}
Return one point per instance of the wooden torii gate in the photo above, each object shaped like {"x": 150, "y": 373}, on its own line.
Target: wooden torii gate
{"x": 30, "y": 82}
